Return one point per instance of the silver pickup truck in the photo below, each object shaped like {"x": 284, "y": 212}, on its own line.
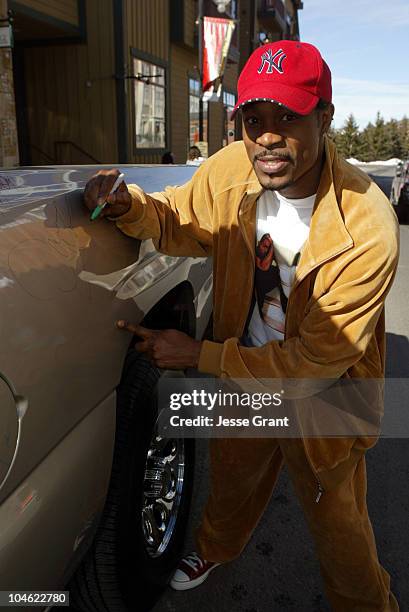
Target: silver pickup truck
{"x": 92, "y": 499}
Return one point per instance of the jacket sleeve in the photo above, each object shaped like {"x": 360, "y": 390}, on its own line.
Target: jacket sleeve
{"x": 335, "y": 331}
{"x": 178, "y": 220}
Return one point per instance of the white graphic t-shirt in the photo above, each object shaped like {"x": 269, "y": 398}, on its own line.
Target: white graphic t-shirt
{"x": 283, "y": 225}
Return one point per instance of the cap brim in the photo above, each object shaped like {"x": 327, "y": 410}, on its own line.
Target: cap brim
{"x": 297, "y": 100}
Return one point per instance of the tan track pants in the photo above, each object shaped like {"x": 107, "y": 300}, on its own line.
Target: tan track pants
{"x": 243, "y": 474}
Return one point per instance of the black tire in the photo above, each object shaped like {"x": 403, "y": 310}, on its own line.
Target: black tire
{"x": 119, "y": 573}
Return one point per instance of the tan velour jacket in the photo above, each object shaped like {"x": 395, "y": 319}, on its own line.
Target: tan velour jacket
{"x": 335, "y": 321}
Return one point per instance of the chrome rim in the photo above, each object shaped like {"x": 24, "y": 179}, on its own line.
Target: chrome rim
{"x": 162, "y": 491}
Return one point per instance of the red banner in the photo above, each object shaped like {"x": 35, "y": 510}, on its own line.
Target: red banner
{"x": 217, "y": 35}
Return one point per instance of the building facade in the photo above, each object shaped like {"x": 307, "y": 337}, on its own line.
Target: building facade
{"x": 117, "y": 81}
{"x": 8, "y": 128}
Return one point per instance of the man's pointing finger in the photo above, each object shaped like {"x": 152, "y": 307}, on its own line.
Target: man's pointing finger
{"x": 138, "y": 330}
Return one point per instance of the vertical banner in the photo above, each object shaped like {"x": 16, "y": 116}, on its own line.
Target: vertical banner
{"x": 217, "y": 35}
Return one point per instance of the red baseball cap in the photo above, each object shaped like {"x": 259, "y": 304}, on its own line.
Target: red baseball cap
{"x": 288, "y": 72}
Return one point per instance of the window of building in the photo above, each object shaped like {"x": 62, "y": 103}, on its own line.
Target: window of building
{"x": 150, "y": 105}
{"x": 229, "y": 102}
{"x": 194, "y": 97}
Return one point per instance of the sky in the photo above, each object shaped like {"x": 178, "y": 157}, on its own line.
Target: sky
{"x": 366, "y": 45}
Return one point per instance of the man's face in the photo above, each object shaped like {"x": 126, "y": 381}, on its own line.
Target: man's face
{"x": 285, "y": 148}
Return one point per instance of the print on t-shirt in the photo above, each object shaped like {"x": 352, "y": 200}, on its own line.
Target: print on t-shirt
{"x": 271, "y": 296}
{"x": 282, "y": 227}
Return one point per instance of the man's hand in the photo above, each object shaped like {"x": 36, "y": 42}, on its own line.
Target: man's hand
{"x": 97, "y": 192}
{"x": 168, "y": 348}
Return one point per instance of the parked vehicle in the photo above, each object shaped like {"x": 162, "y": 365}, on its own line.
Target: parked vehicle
{"x": 90, "y": 495}
{"x": 400, "y": 191}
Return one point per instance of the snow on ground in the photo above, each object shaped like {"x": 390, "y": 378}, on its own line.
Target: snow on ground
{"x": 389, "y": 162}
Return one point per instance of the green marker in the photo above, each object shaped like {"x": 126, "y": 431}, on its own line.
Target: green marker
{"x": 97, "y": 211}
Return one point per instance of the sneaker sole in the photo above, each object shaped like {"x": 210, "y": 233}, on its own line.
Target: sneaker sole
{"x": 191, "y": 584}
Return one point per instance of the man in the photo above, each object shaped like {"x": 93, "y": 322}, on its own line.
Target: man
{"x": 335, "y": 241}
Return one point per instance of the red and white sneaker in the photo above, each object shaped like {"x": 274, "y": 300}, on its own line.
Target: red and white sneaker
{"x": 192, "y": 571}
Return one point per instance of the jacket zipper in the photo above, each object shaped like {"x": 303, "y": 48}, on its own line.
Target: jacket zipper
{"x": 320, "y": 492}
{"x": 321, "y": 489}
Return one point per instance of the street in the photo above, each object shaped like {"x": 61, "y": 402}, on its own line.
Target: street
{"x": 278, "y": 570}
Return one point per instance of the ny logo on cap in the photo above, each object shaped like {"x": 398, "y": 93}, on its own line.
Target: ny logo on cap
{"x": 272, "y": 61}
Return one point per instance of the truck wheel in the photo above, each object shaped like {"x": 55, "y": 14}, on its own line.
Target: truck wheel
{"x": 141, "y": 533}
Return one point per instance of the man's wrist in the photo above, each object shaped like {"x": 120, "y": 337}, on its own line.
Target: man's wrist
{"x": 117, "y": 216}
